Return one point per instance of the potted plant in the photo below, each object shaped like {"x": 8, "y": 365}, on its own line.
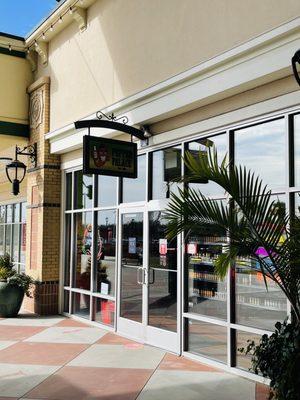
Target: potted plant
{"x": 13, "y": 287}
{"x": 254, "y": 222}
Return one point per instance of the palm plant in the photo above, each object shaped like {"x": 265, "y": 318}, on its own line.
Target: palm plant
{"x": 251, "y": 218}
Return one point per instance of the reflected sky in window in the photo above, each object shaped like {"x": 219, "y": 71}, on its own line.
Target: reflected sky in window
{"x": 262, "y": 149}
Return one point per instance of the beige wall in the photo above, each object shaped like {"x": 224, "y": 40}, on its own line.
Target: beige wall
{"x": 15, "y": 76}
{"x": 130, "y": 45}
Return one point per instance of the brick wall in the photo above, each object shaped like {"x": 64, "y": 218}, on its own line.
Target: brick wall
{"x": 43, "y": 212}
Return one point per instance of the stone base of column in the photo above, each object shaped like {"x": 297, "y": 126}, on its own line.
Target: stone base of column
{"x": 44, "y": 300}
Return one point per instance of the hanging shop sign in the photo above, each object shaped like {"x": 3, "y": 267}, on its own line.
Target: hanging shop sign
{"x": 109, "y": 157}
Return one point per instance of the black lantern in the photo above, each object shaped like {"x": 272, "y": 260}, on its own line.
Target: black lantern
{"x": 295, "y": 61}
{"x": 16, "y": 170}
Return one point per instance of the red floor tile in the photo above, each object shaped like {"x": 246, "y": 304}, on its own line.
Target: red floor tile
{"x": 171, "y": 362}
{"x": 41, "y": 353}
{"x": 18, "y": 332}
{"x": 72, "y": 323}
{"x": 77, "y": 383}
{"x": 111, "y": 338}
{"x": 261, "y": 392}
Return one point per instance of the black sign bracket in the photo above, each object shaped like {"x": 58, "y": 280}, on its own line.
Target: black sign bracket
{"x": 111, "y": 122}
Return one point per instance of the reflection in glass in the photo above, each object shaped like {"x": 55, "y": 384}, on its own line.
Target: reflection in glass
{"x": 66, "y": 301}
{"x": 207, "y": 292}
{"x": 297, "y": 150}
{"x": 16, "y": 244}
{"x": 262, "y": 149}
{"x": 135, "y": 189}
{"x": 9, "y": 213}
{"x": 69, "y": 191}
{"x": 8, "y": 239}
{"x": 132, "y": 261}
{"x": 208, "y": 340}
{"x": 201, "y": 146}
{"x": 104, "y": 311}
{"x": 107, "y": 191}
{"x": 256, "y": 305}
{"x": 2, "y": 214}
{"x": 67, "y": 252}
{"x": 243, "y": 361}
{"x": 83, "y": 259}
{"x": 16, "y": 212}
{"x": 83, "y": 190}
{"x": 23, "y": 212}
{"x": 23, "y": 244}
{"x": 106, "y": 252}
{"x": 162, "y": 275}
{"x": 1, "y": 239}
{"x": 81, "y": 305}
{"x": 166, "y": 166}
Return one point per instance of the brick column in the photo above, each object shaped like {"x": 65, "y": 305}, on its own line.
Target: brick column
{"x": 43, "y": 211}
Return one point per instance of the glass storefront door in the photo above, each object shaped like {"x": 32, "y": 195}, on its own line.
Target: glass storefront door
{"x": 148, "y": 292}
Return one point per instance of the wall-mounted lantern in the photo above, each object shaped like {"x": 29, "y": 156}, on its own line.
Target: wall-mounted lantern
{"x": 295, "y": 61}
{"x": 15, "y": 169}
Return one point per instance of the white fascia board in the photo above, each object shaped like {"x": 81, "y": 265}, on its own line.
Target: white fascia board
{"x": 259, "y": 61}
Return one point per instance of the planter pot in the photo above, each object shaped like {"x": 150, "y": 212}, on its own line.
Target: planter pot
{"x": 11, "y": 298}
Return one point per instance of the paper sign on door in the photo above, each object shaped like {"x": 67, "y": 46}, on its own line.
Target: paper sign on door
{"x": 132, "y": 245}
{"x": 163, "y": 246}
{"x": 191, "y": 248}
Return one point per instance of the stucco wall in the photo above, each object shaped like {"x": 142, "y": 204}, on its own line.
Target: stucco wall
{"x": 15, "y": 76}
{"x": 130, "y": 45}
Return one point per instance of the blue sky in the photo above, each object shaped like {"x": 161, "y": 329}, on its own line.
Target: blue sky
{"x": 19, "y": 17}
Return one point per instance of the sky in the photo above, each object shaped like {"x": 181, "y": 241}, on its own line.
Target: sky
{"x": 19, "y": 17}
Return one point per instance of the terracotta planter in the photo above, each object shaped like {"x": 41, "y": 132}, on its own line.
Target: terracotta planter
{"x": 11, "y": 298}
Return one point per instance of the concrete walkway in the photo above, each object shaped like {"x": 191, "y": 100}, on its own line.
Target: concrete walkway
{"x": 62, "y": 359}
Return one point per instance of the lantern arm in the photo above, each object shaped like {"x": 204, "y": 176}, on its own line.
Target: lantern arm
{"x": 30, "y": 151}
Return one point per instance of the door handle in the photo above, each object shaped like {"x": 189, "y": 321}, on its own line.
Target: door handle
{"x": 140, "y": 282}
{"x": 153, "y": 276}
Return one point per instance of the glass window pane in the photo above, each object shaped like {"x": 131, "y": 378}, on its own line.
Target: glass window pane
{"x": 81, "y": 305}
{"x": 207, "y": 292}
{"x": 107, "y": 191}
{"x": 83, "y": 190}
{"x": 162, "y": 275}
{"x": 16, "y": 212}
{"x": 104, "y": 311}
{"x": 255, "y": 305}
{"x": 9, "y": 213}
{"x": 23, "y": 212}
{"x": 297, "y": 149}
{"x": 23, "y": 244}
{"x": 16, "y": 244}
{"x": 66, "y": 301}
{"x": 67, "y": 251}
{"x": 243, "y": 361}
{"x": 8, "y": 239}
{"x": 208, "y": 340}
{"x": 1, "y": 240}
{"x": 166, "y": 166}
{"x": 262, "y": 149}
{"x": 69, "y": 191}
{"x": 2, "y": 214}
{"x": 132, "y": 261}
{"x": 83, "y": 259}
{"x": 106, "y": 252}
{"x": 135, "y": 189}
{"x": 202, "y": 146}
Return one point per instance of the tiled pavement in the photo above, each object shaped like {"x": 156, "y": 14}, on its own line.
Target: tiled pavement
{"x": 62, "y": 359}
